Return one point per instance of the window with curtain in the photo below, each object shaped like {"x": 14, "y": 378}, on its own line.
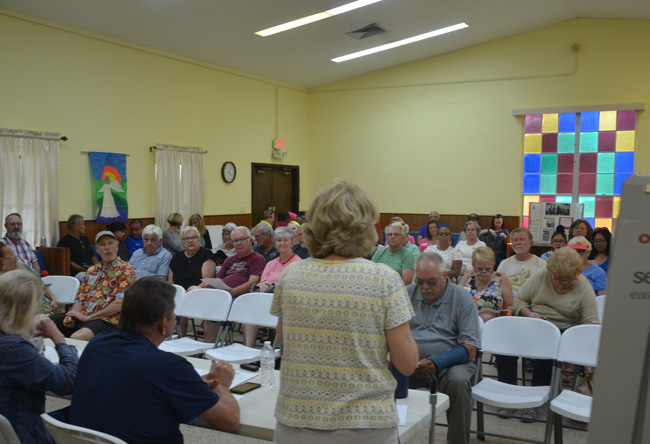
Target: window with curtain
{"x": 579, "y": 157}
{"x": 180, "y": 182}
{"x": 29, "y": 171}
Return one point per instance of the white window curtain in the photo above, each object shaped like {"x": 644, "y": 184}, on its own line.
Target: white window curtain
{"x": 180, "y": 182}
{"x": 29, "y": 166}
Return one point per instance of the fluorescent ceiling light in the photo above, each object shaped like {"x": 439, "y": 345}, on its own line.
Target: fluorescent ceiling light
{"x": 403, "y": 42}
{"x": 315, "y": 17}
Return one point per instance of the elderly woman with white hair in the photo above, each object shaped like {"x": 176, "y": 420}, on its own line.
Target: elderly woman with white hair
{"x": 466, "y": 247}
{"x": 339, "y": 315}
{"x": 226, "y": 236}
{"x": 283, "y": 238}
{"x": 194, "y": 263}
{"x": 25, "y": 375}
{"x": 596, "y": 276}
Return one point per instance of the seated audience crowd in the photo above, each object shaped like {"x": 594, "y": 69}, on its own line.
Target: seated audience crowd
{"x": 317, "y": 272}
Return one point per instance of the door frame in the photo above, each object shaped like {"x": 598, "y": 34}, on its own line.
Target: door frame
{"x": 295, "y": 183}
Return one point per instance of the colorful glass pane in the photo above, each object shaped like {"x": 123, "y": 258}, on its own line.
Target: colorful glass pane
{"x": 625, "y": 141}
{"x": 549, "y": 123}
{"x": 607, "y": 141}
{"x": 548, "y": 184}
{"x": 565, "y": 183}
{"x": 607, "y": 121}
{"x": 532, "y": 163}
{"x": 589, "y": 121}
{"x": 564, "y": 199}
{"x": 549, "y": 163}
{"x": 588, "y": 142}
{"x": 531, "y": 183}
{"x": 626, "y": 120}
{"x": 588, "y": 162}
{"x": 566, "y": 142}
{"x": 567, "y": 122}
{"x": 533, "y": 123}
{"x": 603, "y": 223}
{"x": 604, "y": 206}
{"x": 605, "y": 184}
{"x": 549, "y": 143}
{"x": 624, "y": 162}
{"x": 525, "y": 222}
{"x": 547, "y": 199}
{"x": 618, "y": 183}
{"x": 527, "y": 201}
{"x": 532, "y": 143}
{"x": 616, "y": 206}
{"x": 565, "y": 163}
{"x": 587, "y": 184}
{"x": 606, "y": 162}
{"x": 590, "y": 220}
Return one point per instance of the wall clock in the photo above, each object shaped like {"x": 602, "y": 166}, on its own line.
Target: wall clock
{"x": 228, "y": 172}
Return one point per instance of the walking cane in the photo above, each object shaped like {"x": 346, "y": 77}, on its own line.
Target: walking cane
{"x": 433, "y": 399}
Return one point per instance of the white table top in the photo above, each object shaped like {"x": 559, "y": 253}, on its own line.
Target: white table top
{"x": 257, "y": 407}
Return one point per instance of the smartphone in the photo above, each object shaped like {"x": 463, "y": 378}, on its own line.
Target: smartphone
{"x": 244, "y": 388}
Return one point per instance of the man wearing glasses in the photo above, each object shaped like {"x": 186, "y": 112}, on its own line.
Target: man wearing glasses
{"x": 263, "y": 234}
{"x": 446, "y": 330}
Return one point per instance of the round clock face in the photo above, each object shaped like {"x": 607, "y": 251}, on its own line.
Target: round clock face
{"x": 228, "y": 172}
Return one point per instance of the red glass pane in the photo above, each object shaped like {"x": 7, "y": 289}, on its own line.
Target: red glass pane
{"x": 534, "y": 123}
{"x": 565, "y": 163}
{"x": 564, "y": 184}
{"x": 587, "y": 184}
{"x": 604, "y": 206}
{"x": 607, "y": 141}
{"x": 549, "y": 143}
{"x": 588, "y": 163}
{"x": 547, "y": 199}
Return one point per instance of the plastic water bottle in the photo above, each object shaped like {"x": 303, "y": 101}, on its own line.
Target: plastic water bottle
{"x": 267, "y": 364}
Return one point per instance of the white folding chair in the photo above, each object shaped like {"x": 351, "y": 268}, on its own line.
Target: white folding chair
{"x": 601, "y": 301}
{"x": 252, "y": 309}
{"x": 180, "y": 293}
{"x": 68, "y": 434}
{"x": 578, "y": 345}
{"x": 203, "y": 303}
{"x": 64, "y": 288}
{"x": 7, "y": 433}
{"x": 515, "y": 336}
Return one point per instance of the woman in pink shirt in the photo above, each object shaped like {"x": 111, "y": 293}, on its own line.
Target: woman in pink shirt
{"x": 283, "y": 238}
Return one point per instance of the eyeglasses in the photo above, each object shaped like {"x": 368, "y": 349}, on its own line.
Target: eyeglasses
{"x": 559, "y": 241}
{"x": 429, "y": 282}
{"x": 241, "y": 240}
{"x": 483, "y": 270}
{"x": 190, "y": 239}
{"x": 257, "y": 236}
{"x": 599, "y": 241}
{"x": 444, "y": 234}
{"x": 393, "y": 234}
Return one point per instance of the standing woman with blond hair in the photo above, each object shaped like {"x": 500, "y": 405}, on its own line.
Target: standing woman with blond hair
{"x": 25, "y": 375}
{"x": 339, "y": 316}
{"x": 196, "y": 221}
{"x": 171, "y": 237}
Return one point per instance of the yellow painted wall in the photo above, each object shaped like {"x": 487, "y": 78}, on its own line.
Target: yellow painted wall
{"x": 108, "y": 95}
{"x": 438, "y": 133}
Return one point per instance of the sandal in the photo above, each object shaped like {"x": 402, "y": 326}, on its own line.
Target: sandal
{"x": 506, "y": 413}
{"x": 529, "y": 415}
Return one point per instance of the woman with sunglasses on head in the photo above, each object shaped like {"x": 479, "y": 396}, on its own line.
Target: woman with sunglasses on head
{"x": 601, "y": 239}
{"x": 496, "y": 229}
{"x": 558, "y": 240}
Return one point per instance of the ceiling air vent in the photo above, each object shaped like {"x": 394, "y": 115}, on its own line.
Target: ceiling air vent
{"x": 367, "y": 31}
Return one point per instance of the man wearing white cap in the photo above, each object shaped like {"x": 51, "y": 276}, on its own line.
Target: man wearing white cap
{"x": 99, "y": 299}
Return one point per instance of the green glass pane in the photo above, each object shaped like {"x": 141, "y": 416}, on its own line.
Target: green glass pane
{"x": 566, "y": 142}
{"x": 548, "y": 183}
{"x": 605, "y": 184}
{"x": 605, "y": 162}
{"x": 588, "y": 142}
{"x": 590, "y": 205}
{"x": 563, "y": 199}
{"x": 549, "y": 163}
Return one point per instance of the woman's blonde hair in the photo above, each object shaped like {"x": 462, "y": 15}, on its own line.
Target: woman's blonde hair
{"x": 564, "y": 260}
{"x": 483, "y": 255}
{"x": 190, "y": 228}
{"x": 342, "y": 221}
{"x": 197, "y": 216}
{"x": 20, "y": 298}
{"x": 175, "y": 220}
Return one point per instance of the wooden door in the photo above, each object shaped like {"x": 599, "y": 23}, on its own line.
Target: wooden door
{"x": 274, "y": 187}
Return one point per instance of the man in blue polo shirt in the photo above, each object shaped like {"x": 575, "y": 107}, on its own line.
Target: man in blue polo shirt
{"x": 129, "y": 388}
{"x": 434, "y": 215}
{"x": 152, "y": 259}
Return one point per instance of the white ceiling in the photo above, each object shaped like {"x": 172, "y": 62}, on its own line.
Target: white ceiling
{"x": 221, "y": 31}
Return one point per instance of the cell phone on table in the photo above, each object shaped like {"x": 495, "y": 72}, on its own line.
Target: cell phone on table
{"x": 244, "y": 388}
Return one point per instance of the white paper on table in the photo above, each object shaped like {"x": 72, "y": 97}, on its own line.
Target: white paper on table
{"x": 240, "y": 377}
{"x": 216, "y": 283}
{"x": 52, "y": 356}
{"x": 401, "y": 413}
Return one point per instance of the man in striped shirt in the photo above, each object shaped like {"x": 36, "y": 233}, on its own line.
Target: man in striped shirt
{"x": 23, "y": 251}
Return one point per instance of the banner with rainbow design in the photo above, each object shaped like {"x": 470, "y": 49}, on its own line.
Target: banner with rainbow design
{"x": 109, "y": 175}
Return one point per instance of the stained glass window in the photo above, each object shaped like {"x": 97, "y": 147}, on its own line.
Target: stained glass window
{"x": 579, "y": 158}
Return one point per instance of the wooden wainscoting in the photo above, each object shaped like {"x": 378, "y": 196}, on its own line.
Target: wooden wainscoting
{"x": 455, "y": 222}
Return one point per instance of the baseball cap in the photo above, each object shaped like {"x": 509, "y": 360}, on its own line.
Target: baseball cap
{"x": 104, "y": 233}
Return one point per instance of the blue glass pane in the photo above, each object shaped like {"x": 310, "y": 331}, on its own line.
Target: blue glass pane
{"x": 567, "y": 122}
{"x": 624, "y": 162}
{"x": 591, "y": 221}
{"x": 589, "y": 121}
{"x": 532, "y": 163}
{"x": 618, "y": 183}
{"x": 531, "y": 183}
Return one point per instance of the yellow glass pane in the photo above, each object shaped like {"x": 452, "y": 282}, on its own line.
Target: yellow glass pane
{"x": 532, "y": 143}
{"x": 616, "y": 207}
{"x": 528, "y": 200}
{"x": 624, "y": 140}
{"x": 607, "y": 121}
{"x": 550, "y": 123}
{"x": 604, "y": 223}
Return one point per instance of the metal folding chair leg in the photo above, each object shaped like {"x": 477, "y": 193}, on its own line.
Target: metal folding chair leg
{"x": 433, "y": 399}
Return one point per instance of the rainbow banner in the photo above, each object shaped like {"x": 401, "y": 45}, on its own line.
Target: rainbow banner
{"x": 109, "y": 175}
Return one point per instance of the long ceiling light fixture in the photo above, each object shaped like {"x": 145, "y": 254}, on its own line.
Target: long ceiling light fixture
{"x": 315, "y": 17}
{"x": 403, "y": 42}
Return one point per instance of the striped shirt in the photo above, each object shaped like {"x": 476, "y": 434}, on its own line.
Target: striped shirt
{"x": 23, "y": 251}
